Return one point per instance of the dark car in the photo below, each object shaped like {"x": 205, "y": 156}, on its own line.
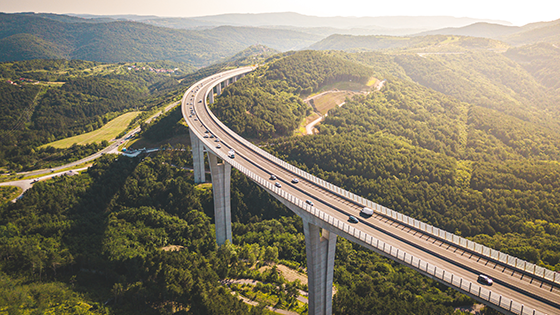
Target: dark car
{"x": 484, "y": 279}
{"x": 295, "y": 180}
{"x": 353, "y": 219}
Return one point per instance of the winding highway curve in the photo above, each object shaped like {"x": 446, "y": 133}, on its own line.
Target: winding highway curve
{"x": 514, "y": 291}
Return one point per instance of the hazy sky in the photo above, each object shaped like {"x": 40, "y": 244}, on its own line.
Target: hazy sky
{"x": 516, "y": 11}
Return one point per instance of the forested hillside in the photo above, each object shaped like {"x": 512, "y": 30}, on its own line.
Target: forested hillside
{"x": 29, "y": 36}
{"x": 480, "y": 161}
{"x": 479, "y": 172}
{"x": 46, "y": 100}
{"x": 542, "y": 60}
{"x": 266, "y": 103}
{"x": 420, "y": 44}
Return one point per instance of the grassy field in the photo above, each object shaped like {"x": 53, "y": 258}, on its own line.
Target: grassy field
{"x": 325, "y": 102}
{"x": 107, "y": 132}
{"x": 8, "y": 193}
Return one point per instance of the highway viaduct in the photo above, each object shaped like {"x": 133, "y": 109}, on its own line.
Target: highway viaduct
{"x": 519, "y": 286}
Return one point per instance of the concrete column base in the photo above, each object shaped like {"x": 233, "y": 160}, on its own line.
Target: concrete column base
{"x": 320, "y": 251}
{"x": 221, "y": 181}
{"x": 211, "y": 97}
{"x": 198, "y": 158}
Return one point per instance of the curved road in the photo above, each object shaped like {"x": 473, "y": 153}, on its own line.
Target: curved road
{"x": 509, "y": 283}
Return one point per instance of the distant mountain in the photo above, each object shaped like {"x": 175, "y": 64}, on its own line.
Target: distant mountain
{"x": 386, "y": 25}
{"x": 252, "y": 55}
{"x": 480, "y": 29}
{"x": 542, "y": 60}
{"x": 514, "y": 35}
{"x": 548, "y": 32}
{"x": 418, "y": 44}
{"x": 131, "y": 41}
{"x": 26, "y": 47}
{"x": 327, "y": 31}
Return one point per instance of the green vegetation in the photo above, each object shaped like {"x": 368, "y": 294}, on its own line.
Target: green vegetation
{"x": 96, "y": 240}
{"x": 330, "y": 100}
{"x": 109, "y": 131}
{"x": 8, "y": 193}
{"x": 31, "y": 36}
{"x": 475, "y": 171}
{"x": 266, "y": 102}
{"x": 35, "y": 111}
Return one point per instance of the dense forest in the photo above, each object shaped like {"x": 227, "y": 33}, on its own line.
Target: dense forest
{"x": 92, "y": 244}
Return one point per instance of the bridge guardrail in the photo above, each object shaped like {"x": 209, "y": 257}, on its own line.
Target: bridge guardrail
{"x": 451, "y": 280}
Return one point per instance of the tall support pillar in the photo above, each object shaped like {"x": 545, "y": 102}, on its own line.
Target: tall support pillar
{"x": 221, "y": 179}
{"x": 211, "y": 97}
{"x": 320, "y": 250}
{"x": 219, "y": 89}
{"x": 198, "y": 158}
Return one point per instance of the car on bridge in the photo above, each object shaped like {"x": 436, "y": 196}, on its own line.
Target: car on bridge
{"x": 366, "y": 212}
{"x": 277, "y": 184}
{"x": 295, "y": 180}
{"x": 272, "y": 177}
{"x": 353, "y": 219}
{"x": 484, "y": 279}
{"x": 309, "y": 202}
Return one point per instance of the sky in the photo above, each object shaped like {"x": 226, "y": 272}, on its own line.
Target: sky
{"x": 515, "y": 11}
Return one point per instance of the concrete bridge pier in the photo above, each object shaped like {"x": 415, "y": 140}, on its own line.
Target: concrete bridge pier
{"x": 198, "y": 158}
{"x": 320, "y": 247}
{"x": 211, "y": 96}
{"x": 221, "y": 180}
{"x": 219, "y": 89}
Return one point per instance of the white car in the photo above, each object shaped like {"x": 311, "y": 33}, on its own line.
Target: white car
{"x": 366, "y": 211}
{"x": 277, "y": 184}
